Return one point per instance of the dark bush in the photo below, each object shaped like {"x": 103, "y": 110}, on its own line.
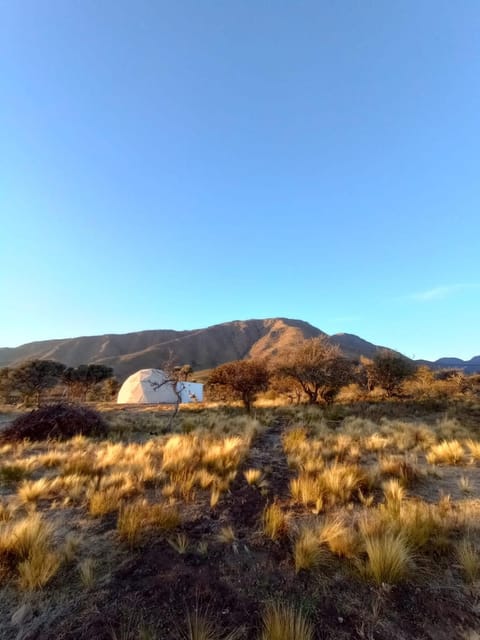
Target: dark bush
{"x": 56, "y": 422}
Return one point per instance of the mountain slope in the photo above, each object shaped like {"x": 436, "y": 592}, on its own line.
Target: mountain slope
{"x": 202, "y": 348}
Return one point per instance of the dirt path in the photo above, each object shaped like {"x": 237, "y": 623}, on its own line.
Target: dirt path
{"x": 244, "y": 504}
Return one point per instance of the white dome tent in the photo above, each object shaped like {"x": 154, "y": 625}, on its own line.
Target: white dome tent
{"x": 152, "y": 386}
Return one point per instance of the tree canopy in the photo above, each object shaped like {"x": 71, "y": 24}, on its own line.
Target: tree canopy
{"x": 245, "y": 378}
{"x": 319, "y": 368}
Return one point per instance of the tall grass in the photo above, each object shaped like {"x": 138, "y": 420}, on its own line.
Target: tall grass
{"x": 282, "y": 621}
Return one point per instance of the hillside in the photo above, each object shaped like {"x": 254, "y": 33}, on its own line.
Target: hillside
{"x": 202, "y": 348}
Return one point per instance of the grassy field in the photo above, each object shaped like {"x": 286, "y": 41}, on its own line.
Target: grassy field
{"x": 357, "y": 521}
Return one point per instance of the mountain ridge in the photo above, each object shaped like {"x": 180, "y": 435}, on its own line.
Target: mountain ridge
{"x": 203, "y": 348}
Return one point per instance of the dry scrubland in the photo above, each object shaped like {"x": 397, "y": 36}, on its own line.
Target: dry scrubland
{"x": 295, "y": 523}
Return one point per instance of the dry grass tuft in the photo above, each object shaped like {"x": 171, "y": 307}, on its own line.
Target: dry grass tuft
{"x": 136, "y": 518}
{"x": 306, "y": 489}
{"x": 38, "y": 568}
{"x": 105, "y": 501}
{"x": 308, "y": 553}
{"x": 180, "y": 543}
{"x": 447, "y": 452}
{"x": 474, "y": 447}
{"x": 86, "y": 569}
{"x": 200, "y": 626}
{"x": 226, "y": 535}
{"x": 26, "y": 546}
{"x": 340, "y": 537}
{"x": 389, "y": 557}
{"x": 254, "y": 477}
{"x": 283, "y": 622}
{"x": 274, "y": 521}
{"x": 469, "y": 558}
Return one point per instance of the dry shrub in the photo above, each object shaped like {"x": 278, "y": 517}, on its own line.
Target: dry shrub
{"x": 55, "y": 422}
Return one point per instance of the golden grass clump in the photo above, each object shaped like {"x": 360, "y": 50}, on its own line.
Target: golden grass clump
{"x": 474, "y": 448}
{"x": 104, "y": 501}
{"x": 6, "y": 511}
{"x": 399, "y": 468}
{"x": 389, "y": 557}
{"x": 26, "y": 544}
{"x": 468, "y": 556}
{"x": 274, "y": 521}
{"x": 306, "y": 489}
{"x": 294, "y": 438}
{"x": 20, "y": 537}
{"x": 33, "y": 490}
{"x": 308, "y": 553}
{"x": 139, "y": 516}
{"x": 284, "y": 622}
{"x": 340, "y": 481}
{"x": 38, "y": 568}
{"x": 254, "y": 477}
{"x": 447, "y": 452}
{"x": 340, "y": 537}
{"x": 394, "y": 495}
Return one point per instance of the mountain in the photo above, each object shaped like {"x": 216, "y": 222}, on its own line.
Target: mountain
{"x": 468, "y": 366}
{"x": 202, "y": 348}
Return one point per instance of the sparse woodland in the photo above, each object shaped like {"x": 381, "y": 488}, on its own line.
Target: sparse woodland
{"x": 356, "y": 517}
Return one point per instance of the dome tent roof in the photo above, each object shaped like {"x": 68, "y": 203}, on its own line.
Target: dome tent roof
{"x": 148, "y": 386}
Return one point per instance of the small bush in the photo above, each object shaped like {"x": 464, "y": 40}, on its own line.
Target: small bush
{"x": 55, "y": 422}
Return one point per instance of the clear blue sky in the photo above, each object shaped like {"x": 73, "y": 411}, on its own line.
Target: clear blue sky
{"x": 179, "y": 164}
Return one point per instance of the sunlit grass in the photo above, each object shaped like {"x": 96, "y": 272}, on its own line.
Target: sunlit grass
{"x": 282, "y": 621}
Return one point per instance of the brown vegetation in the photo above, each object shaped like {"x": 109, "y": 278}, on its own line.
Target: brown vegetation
{"x": 301, "y": 522}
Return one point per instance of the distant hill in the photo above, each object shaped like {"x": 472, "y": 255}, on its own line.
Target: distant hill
{"x": 202, "y": 348}
{"x": 468, "y": 366}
